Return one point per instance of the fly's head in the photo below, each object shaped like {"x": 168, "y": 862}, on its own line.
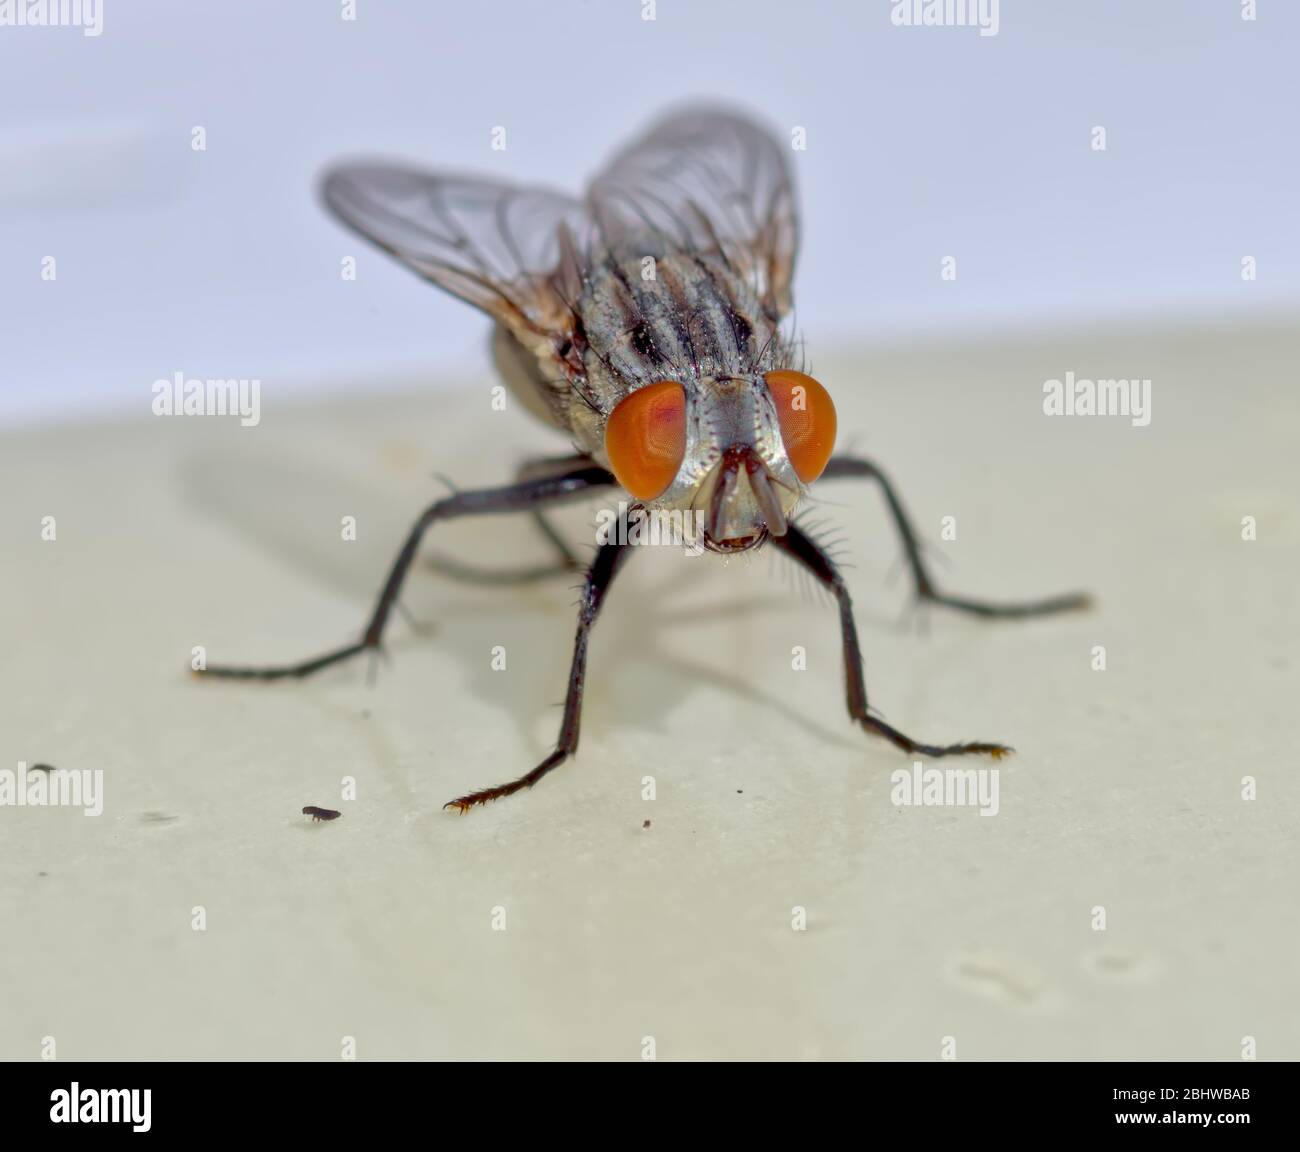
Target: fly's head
{"x": 736, "y": 452}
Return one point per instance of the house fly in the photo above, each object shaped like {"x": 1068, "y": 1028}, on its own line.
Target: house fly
{"x": 647, "y": 321}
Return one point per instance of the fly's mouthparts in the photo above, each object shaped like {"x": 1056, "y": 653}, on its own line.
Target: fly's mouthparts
{"x": 724, "y": 489}
{"x": 739, "y": 544}
{"x": 765, "y": 496}
{"x": 769, "y": 504}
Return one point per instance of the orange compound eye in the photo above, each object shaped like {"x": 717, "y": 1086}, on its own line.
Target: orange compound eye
{"x": 807, "y": 416}
{"x": 645, "y": 438}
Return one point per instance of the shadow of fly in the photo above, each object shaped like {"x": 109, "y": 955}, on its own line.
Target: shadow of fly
{"x": 648, "y": 321}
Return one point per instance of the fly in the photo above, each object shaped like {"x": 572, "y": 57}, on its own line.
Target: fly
{"x": 646, "y": 320}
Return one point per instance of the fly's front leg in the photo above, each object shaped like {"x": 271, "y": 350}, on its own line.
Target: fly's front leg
{"x": 844, "y": 467}
{"x": 524, "y": 496}
{"x": 797, "y": 544}
{"x": 609, "y": 559}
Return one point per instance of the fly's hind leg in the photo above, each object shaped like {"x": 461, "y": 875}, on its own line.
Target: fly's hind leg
{"x": 527, "y": 495}
{"x": 609, "y": 559}
{"x": 808, "y": 553}
{"x": 845, "y": 467}
{"x": 567, "y": 561}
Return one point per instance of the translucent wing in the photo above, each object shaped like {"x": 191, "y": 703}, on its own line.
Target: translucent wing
{"x": 507, "y": 249}
{"x": 706, "y": 180}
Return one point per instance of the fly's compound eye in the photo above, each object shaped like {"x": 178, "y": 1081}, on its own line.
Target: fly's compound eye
{"x": 807, "y": 417}
{"x": 645, "y": 438}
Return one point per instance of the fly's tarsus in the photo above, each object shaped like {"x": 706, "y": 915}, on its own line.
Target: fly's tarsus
{"x": 463, "y": 804}
{"x": 1011, "y": 610}
{"x": 286, "y": 671}
{"x": 934, "y": 751}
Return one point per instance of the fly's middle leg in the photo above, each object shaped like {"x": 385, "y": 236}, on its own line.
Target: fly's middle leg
{"x": 531, "y": 470}
{"x": 807, "y": 552}
{"x": 845, "y": 467}
{"x": 527, "y": 495}
{"x": 567, "y": 560}
{"x": 609, "y": 559}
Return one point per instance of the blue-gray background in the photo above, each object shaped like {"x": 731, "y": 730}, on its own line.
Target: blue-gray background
{"x": 922, "y": 143}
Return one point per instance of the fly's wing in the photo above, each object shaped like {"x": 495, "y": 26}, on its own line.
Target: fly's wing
{"x": 706, "y": 180}
{"x": 506, "y": 249}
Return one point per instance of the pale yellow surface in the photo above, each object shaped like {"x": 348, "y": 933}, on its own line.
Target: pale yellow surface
{"x": 1125, "y": 793}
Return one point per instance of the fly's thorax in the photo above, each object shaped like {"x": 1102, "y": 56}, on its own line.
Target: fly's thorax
{"x": 671, "y": 316}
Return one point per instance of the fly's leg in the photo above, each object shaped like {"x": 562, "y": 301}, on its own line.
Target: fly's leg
{"x": 524, "y": 496}
{"x": 567, "y": 562}
{"x": 845, "y": 467}
{"x": 609, "y": 559}
{"x": 807, "y": 552}
{"x": 531, "y": 470}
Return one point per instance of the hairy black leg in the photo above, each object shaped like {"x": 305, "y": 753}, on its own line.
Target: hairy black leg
{"x": 797, "y": 544}
{"x": 845, "y": 467}
{"x": 609, "y": 559}
{"x": 567, "y": 562}
{"x": 524, "y": 496}
{"x": 549, "y": 466}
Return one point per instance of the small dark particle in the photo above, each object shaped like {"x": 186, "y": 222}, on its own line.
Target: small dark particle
{"x": 646, "y": 824}
{"x": 43, "y": 768}
{"x": 740, "y": 791}
{"x": 42, "y": 873}
{"x": 321, "y": 813}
